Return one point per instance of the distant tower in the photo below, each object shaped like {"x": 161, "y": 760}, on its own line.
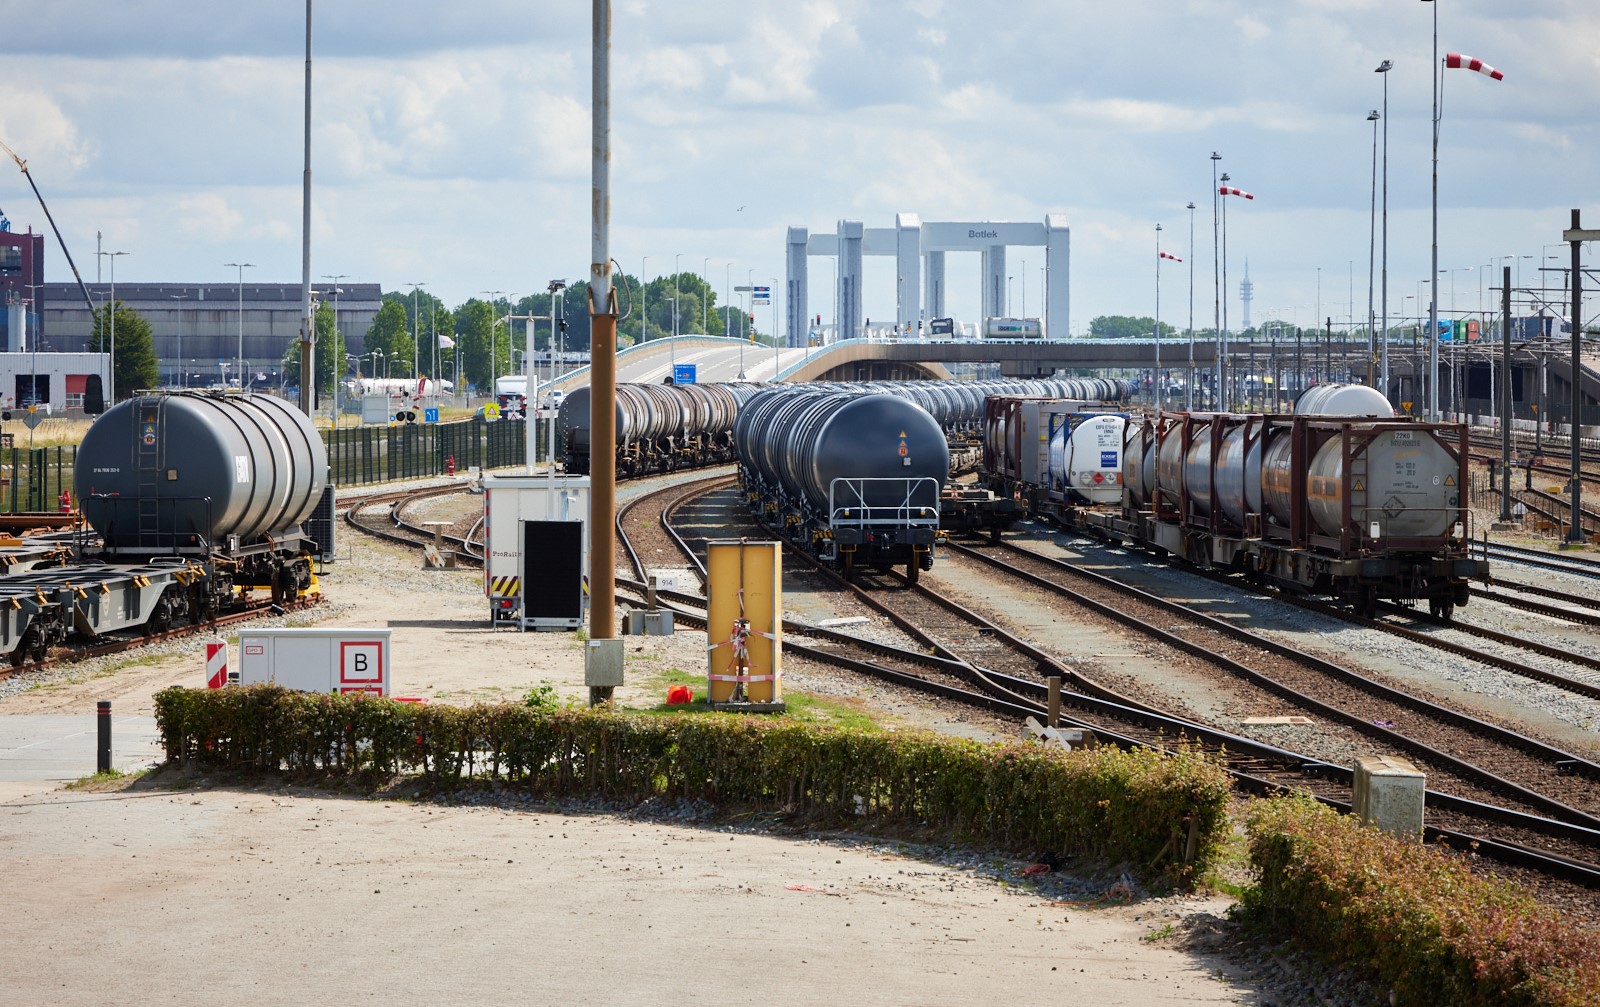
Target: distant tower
{"x": 1247, "y": 292}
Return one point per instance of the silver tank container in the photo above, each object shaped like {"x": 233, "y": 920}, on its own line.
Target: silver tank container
{"x": 188, "y": 471}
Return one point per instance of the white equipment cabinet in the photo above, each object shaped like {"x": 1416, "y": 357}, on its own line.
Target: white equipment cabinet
{"x": 343, "y": 660}
{"x": 556, "y": 514}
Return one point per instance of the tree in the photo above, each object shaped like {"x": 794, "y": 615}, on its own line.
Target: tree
{"x": 474, "y": 322}
{"x": 388, "y": 326}
{"x": 136, "y": 366}
{"x": 1128, "y": 327}
{"x": 329, "y": 362}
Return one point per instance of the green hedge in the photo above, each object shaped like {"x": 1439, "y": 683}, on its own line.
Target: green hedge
{"x": 1413, "y": 916}
{"x": 1106, "y": 804}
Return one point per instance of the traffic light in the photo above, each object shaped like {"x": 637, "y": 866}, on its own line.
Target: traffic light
{"x": 752, "y": 330}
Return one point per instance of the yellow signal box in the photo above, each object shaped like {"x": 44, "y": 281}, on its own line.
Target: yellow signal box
{"x": 744, "y": 641}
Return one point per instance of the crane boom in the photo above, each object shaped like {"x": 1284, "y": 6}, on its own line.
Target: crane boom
{"x": 59, "y": 240}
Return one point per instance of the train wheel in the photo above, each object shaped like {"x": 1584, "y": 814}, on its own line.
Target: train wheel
{"x": 913, "y": 570}
{"x": 160, "y": 616}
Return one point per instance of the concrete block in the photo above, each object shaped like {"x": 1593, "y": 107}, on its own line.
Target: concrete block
{"x": 602, "y": 664}
{"x": 1389, "y": 792}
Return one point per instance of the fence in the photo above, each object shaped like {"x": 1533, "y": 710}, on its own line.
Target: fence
{"x": 33, "y": 479}
{"x": 369, "y": 454}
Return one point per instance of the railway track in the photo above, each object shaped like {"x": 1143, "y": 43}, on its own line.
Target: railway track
{"x": 1326, "y": 690}
{"x": 1528, "y": 840}
{"x": 1575, "y": 564}
{"x": 1511, "y": 835}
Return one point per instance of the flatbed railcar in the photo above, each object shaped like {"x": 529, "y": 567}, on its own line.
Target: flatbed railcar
{"x": 192, "y": 500}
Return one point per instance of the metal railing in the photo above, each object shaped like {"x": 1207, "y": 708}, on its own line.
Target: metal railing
{"x": 916, "y": 502}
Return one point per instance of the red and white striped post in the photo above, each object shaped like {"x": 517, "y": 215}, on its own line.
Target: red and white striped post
{"x": 216, "y": 664}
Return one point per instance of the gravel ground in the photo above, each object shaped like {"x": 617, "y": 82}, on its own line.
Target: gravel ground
{"x": 444, "y": 653}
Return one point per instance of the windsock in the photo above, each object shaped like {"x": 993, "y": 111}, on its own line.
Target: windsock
{"x": 1457, "y": 61}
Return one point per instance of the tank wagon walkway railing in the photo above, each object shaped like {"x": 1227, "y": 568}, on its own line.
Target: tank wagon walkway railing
{"x": 374, "y": 454}
{"x": 34, "y": 480}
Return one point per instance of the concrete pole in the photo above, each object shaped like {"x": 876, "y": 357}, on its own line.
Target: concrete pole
{"x": 308, "y": 334}
{"x": 1575, "y": 533}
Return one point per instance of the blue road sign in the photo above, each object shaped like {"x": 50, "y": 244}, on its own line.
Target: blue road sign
{"x": 430, "y": 415}
{"x": 683, "y": 374}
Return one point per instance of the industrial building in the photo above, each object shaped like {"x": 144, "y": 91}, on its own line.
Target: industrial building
{"x": 21, "y": 269}
{"x": 201, "y": 330}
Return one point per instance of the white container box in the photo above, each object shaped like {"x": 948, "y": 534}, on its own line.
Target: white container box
{"x": 342, "y": 660}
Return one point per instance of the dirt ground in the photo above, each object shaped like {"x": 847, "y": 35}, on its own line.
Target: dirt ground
{"x": 149, "y": 894}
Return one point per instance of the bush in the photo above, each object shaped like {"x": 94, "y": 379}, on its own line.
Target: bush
{"x": 1140, "y": 807}
{"x": 1413, "y": 916}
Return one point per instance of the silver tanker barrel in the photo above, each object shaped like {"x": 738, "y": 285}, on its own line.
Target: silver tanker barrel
{"x": 194, "y": 472}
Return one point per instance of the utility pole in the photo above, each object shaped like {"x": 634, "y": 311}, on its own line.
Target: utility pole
{"x": 1577, "y": 236}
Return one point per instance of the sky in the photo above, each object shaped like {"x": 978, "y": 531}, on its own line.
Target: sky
{"x": 450, "y": 142}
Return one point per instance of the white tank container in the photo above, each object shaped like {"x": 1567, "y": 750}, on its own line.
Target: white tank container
{"x": 1343, "y": 400}
{"x": 1086, "y": 458}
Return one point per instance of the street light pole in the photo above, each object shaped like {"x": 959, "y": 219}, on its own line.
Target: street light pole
{"x": 183, "y": 375}
{"x": 1216, "y": 284}
{"x": 1433, "y": 276}
{"x": 1189, "y": 378}
{"x": 644, "y": 316}
{"x": 672, "y": 352}
{"x": 113, "y": 256}
{"x": 705, "y": 302}
{"x": 1155, "y": 375}
{"x": 239, "y": 362}
{"x": 1372, "y": 241}
{"x": 494, "y": 321}
{"x": 1383, "y": 366}
{"x": 416, "y": 336}
{"x": 556, "y": 287}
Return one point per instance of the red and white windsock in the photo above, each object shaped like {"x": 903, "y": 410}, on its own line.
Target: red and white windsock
{"x": 1169, "y": 255}
{"x": 1229, "y": 191}
{"x": 1457, "y": 61}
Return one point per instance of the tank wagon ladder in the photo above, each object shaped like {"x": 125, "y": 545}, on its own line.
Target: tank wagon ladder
{"x": 147, "y": 467}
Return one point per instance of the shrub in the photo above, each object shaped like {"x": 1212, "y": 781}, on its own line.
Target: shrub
{"x": 1413, "y": 916}
{"x": 1138, "y": 807}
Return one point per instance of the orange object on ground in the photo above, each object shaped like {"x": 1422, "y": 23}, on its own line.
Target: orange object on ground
{"x": 679, "y": 695}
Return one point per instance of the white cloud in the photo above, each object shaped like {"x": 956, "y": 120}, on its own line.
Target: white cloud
{"x": 452, "y": 143}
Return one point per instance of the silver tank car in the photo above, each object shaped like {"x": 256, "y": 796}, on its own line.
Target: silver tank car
{"x": 193, "y": 472}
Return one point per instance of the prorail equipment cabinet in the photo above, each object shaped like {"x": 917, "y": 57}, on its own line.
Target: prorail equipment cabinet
{"x": 342, "y": 660}
{"x": 536, "y": 551}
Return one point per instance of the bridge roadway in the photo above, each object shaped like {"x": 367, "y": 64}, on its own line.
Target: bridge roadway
{"x": 719, "y": 358}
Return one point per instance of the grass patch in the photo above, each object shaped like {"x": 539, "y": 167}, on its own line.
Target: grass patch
{"x": 113, "y": 780}
{"x": 809, "y": 709}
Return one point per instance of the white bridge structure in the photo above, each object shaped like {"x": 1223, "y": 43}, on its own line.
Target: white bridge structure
{"x": 919, "y": 249}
